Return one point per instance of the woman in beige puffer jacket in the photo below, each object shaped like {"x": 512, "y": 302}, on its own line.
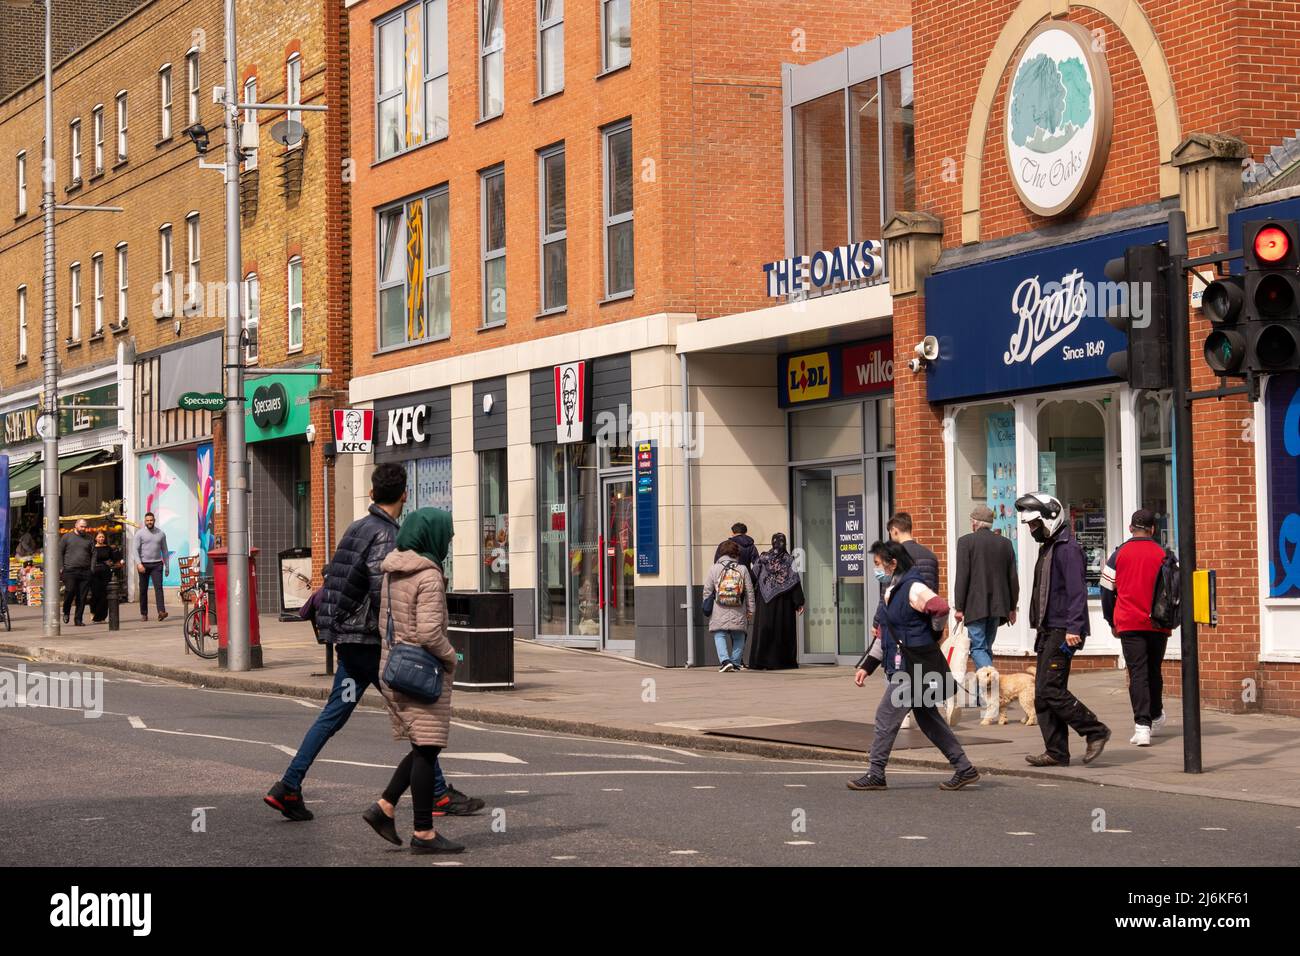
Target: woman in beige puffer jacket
{"x": 415, "y": 595}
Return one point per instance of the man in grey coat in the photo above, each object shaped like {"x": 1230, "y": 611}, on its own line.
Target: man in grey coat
{"x": 987, "y": 587}
{"x": 152, "y": 561}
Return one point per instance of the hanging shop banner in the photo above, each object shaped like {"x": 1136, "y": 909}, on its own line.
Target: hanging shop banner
{"x": 19, "y": 425}
{"x": 1000, "y": 452}
{"x": 572, "y": 402}
{"x": 850, "y": 538}
{"x": 647, "y": 507}
{"x": 1282, "y": 421}
{"x": 277, "y": 406}
{"x": 354, "y": 431}
{"x": 839, "y": 371}
{"x": 1029, "y": 322}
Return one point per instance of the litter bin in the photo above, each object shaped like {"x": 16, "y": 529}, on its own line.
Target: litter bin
{"x": 481, "y": 626}
{"x": 218, "y": 559}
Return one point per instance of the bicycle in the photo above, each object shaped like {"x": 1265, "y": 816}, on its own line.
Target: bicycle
{"x": 201, "y": 621}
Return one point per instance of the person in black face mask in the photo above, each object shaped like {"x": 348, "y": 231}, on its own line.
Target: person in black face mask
{"x": 1058, "y": 612}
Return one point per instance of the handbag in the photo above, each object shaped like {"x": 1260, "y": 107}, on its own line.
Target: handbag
{"x": 410, "y": 670}
{"x": 707, "y": 606}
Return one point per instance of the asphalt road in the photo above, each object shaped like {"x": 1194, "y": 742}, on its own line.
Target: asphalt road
{"x": 133, "y": 786}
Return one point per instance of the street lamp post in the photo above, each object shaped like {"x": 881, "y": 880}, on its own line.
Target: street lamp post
{"x": 49, "y": 417}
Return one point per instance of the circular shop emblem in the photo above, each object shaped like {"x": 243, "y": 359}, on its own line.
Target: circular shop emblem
{"x": 1058, "y": 119}
{"x": 270, "y": 405}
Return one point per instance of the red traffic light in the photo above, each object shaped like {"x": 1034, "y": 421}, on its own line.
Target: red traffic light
{"x": 1272, "y": 244}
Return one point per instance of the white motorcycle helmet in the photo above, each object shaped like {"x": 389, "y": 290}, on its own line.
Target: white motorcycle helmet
{"x": 1038, "y": 506}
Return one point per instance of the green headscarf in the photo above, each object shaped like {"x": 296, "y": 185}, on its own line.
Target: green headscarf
{"x": 427, "y": 532}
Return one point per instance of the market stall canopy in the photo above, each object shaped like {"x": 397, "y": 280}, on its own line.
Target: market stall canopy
{"x": 28, "y": 476}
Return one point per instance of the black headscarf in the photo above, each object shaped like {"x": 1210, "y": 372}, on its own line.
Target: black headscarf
{"x": 776, "y": 573}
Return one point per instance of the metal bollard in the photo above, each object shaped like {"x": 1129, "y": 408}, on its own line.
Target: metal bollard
{"x": 114, "y": 602}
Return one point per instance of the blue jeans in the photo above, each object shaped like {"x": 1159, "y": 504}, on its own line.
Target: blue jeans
{"x": 737, "y": 639}
{"x": 356, "y": 668}
{"x": 981, "y": 634}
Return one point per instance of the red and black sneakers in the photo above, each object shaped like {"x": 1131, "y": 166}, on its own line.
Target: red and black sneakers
{"x": 288, "y": 801}
{"x": 456, "y": 804}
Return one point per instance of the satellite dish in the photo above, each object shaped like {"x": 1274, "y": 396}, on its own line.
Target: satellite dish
{"x": 287, "y": 132}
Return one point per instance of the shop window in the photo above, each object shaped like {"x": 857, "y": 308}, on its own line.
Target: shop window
{"x": 494, "y": 520}
{"x": 415, "y": 273}
{"x": 569, "y": 513}
{"x": 1156, "y": 442}
{"x": 1072, "y": 468}
{"x": 885, "y": 424}
{"x": 900, "y": 143}
{"x": 985, "y": 454}
{"x": 820, "y": 212}
{"x": 825, "y": 432}
{"x": 428, "y": 485}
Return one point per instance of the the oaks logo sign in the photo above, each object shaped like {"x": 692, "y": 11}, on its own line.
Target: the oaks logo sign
{"x": 1059, "y": 113}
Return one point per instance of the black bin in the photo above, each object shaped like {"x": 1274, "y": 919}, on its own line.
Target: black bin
{"x": 481, "y": 626}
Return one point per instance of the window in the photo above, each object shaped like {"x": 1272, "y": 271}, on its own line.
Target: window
{"x": 252, "y": 312}
{"x": 97, "y": 129}
{"x": 494, "y": 520}
{"x": 22, "y": 323}
{"x": 20, "y": 176}
{"x": 618, "y": 210}
{"x": 164, "y": 300}
{"x": 415, "y": 272}
{"x": 193, "y": 293}
{"x": 192, "y": 81}
{"x": 821, "y": 215}
{"x": 74, "y": 283}
{"x": 568, "y": 591}
{"x": 411, "y": 94}
{"x": 555, "y": 266}
{"x": 985, "y": 450}
{"x": 864, "y": 164}
{"x": 493, "y": 187}
{"x": 550, "y": 47}
{"x": 293, "y": 87}
{"x": 97, "y": 281}
{"x": 121, "y": 285}
{"x": 165, "y": 102}
{"x": 900, "y": 143}
{"x": 121, "y": 127}
{"x": 74, "y": 143}
{"x": 295, "y": 303}
{"x": 1155, "y": 437}
{"x": 491, "y": 52}
{"x": 1072, "y": 468}
{"x": 616, "y": 28}
{"x": 250, "y": 116}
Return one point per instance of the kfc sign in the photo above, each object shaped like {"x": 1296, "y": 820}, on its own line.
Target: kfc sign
{"x": 572, "y": 402}
{"x": 354, "y": 431}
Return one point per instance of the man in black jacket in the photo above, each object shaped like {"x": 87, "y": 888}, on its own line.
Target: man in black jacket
{"x": 347, "y": 616}
{"x": 748, "y": 550}
{"x": 76, "y": 549}
{"x": 987, "y": 587}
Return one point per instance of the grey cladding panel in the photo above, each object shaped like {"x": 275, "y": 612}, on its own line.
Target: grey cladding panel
{"x": 490, "y": 430}
{"x": 541, "y": 387}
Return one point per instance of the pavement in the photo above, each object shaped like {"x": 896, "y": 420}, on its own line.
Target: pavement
{"x": 1245, "y": 757}
{"x": 174, "y": 774}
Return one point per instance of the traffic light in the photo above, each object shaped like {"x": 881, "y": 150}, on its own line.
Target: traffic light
{"x": 1143, "y": 316}
{"x": 1272, "y": 292}
{"x": 1225, "y": 346}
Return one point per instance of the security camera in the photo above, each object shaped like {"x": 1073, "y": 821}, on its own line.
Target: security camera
{"x": 915, "y": 364}
{"x": 310, "y": 434}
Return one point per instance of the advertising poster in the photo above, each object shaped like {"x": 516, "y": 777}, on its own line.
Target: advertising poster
{"x": 1282, "y": 411}
{"x": 1047, "y": 472}
{"x": 165, "y": 489}
{"x": 207, "y": 502}
{"x": 1000, "y": 468}
{"x": 850, "y": 538}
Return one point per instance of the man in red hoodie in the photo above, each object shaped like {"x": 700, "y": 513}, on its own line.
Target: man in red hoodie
{"x": 1127, "y": 587}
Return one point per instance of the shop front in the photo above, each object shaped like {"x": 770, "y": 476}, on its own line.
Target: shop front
{"x": 1029, "y": 405}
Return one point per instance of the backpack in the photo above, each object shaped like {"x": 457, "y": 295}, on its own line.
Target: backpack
{"x": 1166, "y": 600}
{"x": 731, "y": 586}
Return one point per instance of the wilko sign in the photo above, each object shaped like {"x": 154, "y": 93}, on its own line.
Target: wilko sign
{"x": 354, "y": 431}
{"x": 840, "y": 371}
{"x": 869, "y": 368}
{"x": 823, "y": 270}
{"x": 572, "y": 402}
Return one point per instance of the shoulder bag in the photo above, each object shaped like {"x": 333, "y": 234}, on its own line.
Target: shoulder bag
{"x": 410, "y": 670}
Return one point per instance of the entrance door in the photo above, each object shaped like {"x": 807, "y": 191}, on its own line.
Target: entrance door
{"x": 833, "y": 529}
{"x": 618, "y": 564}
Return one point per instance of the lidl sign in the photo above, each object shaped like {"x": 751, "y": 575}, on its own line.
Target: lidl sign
{"x": 840, "y": 371}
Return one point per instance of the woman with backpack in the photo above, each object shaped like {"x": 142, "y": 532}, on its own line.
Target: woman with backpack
{"x": 729, "y": 605}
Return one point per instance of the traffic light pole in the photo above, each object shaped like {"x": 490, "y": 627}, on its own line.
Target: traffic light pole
{"x": 1180, "y": 327}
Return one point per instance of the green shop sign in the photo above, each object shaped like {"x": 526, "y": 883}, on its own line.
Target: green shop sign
{"x": 19, "y": 425}
{"x": 277, "y": 406}
{"x": 202, "y": 401}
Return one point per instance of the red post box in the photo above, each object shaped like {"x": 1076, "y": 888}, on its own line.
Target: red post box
{"x": 219, "y": 558}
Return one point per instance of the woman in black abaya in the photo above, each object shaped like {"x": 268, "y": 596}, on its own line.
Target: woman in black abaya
{"x": 780, "y": 598}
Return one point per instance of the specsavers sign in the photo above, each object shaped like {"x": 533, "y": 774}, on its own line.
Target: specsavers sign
{"x": 277, "y": 406}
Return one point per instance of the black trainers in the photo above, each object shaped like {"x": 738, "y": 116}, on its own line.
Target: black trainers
{"x": 288, "y": 801}
{"x": 381, "y": 823}
{"x": 456, "y": 804}
{"x": 439, "y": 844}
{"x": 868, "y": 782}
{"x": 959, "y": 780}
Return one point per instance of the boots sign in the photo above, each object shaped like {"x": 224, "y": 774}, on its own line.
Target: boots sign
{"x": 354, "y": 431}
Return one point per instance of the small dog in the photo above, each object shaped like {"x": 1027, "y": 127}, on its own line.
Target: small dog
{"x": 1000, "y": 691}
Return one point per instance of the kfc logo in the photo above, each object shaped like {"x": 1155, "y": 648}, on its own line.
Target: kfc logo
{"x": 354, "y": 430}
{"x": 571, "y": 400}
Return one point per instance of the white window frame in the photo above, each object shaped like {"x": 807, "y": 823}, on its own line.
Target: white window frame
{"x": 74, "y": 289}
{"x": 97, "y": 131}
{"x": 74, "y": 150}
{"x": 545, "y": 239}
{"x": 97, "y": 287}
{"x": 293, "y": 88}
{"x": 193, "y": 255}
{"x": 122, "y": 122}
{"x": 607, "y": 134}
{"x": 489, "y": 255}
{"x": 192, "y": 83}
{"x": 164, "y": 102}
{"x": 22, "y": 323}
{"x": 252, "y": 311}
{"x": 250, "y": 116}
{"x": 20, "y": 177}
{"x": 429, "y": 76}
{"x": 122, "y": 285}
{"x": 544, "y": 27}
{"x": 294, "y": 346}
{"x": 166, "y": 263}
{"x": 486, "y": 50}
{"x": 605, "y": 66}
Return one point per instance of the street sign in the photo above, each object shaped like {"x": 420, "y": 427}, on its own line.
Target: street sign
{"x": 202, "y": 401}
{"x": 354, "y": 430}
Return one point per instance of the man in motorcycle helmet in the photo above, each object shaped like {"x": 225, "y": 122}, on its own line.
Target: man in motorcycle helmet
{"x": 1058, "y": 612}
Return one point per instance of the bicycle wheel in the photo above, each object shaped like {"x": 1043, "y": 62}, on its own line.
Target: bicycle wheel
{"x": 202, "y": 643}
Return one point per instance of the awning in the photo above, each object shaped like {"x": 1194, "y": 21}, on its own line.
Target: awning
{"x": 28, "y": 476}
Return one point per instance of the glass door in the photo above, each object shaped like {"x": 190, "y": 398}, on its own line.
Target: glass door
{"x": 850, "y": 561}
{"x": 618, "y": 564}
{"x": 833, "y": 533}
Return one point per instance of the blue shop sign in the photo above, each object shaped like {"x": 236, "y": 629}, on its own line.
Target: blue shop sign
{"x": 1028, "y": 322}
